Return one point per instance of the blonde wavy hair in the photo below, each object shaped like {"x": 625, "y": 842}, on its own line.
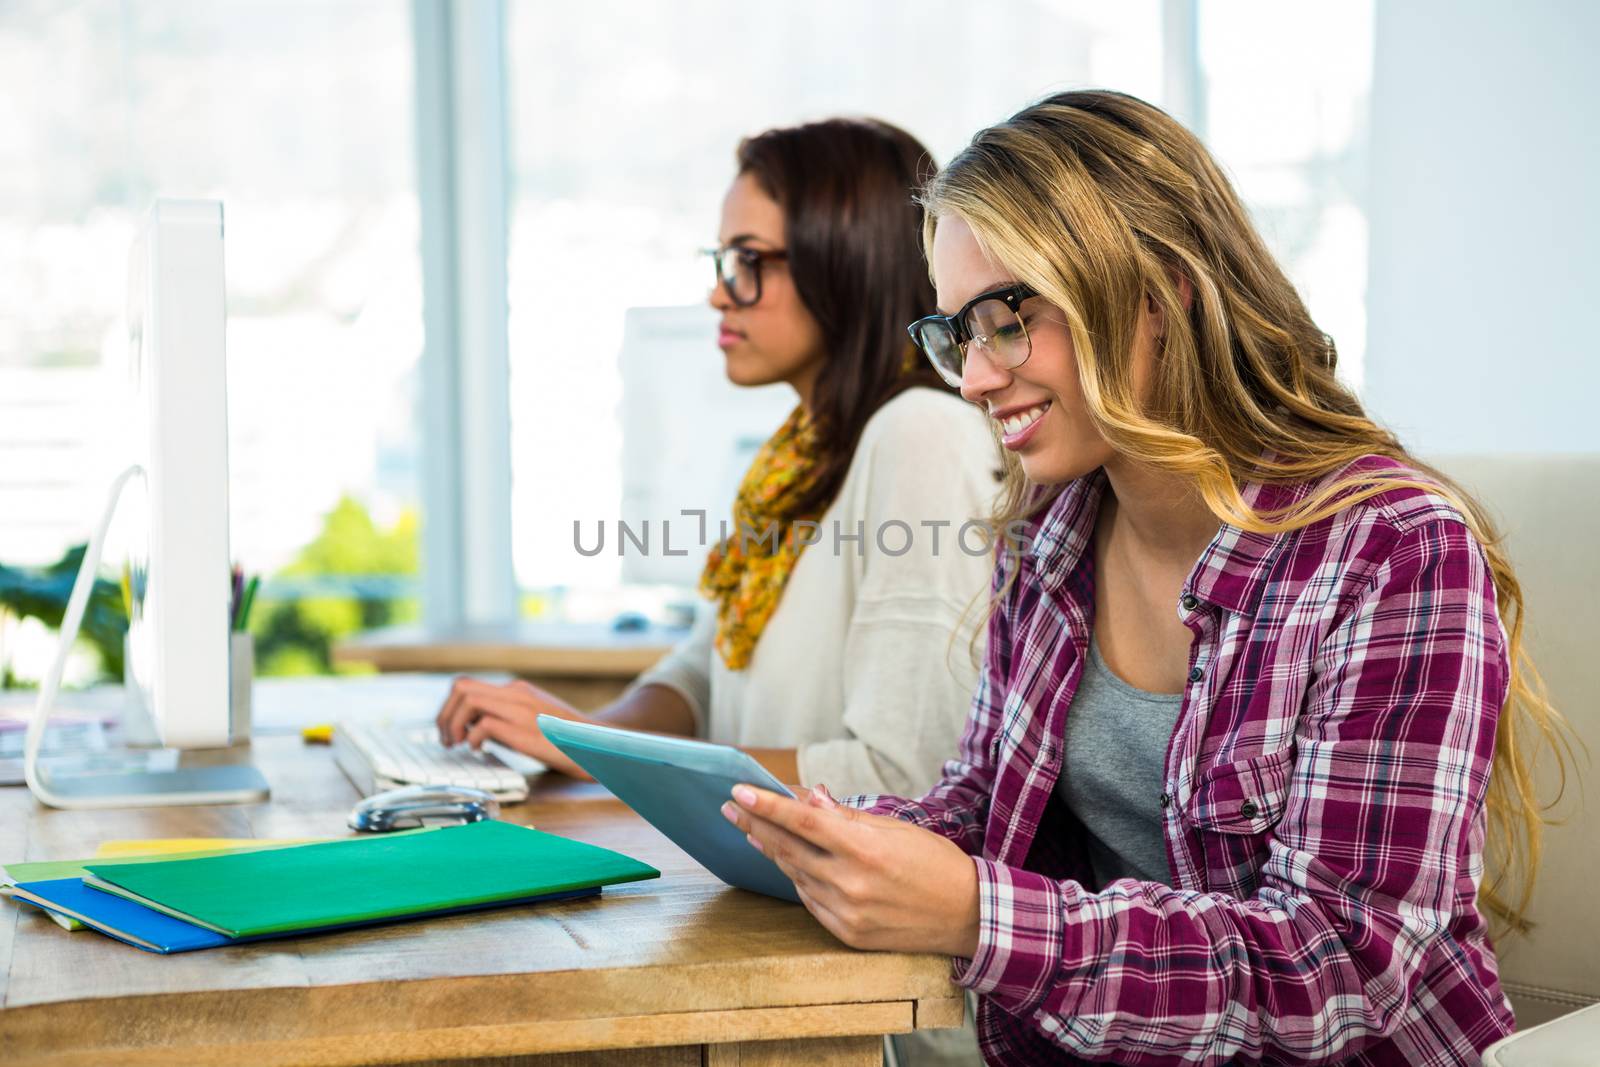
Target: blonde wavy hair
{"x": 1100, "y": 201}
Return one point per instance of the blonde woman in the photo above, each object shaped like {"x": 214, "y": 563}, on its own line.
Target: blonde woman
{"x": 834, "y": 598}
{"x": 1253, "y": 675}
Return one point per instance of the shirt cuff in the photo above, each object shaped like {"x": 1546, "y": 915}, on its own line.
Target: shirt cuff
{"x": 1023, "y": 937}
{"x": 883, "y": 804}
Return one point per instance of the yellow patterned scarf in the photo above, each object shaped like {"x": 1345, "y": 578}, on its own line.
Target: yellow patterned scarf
{"x": 746, "y": 573}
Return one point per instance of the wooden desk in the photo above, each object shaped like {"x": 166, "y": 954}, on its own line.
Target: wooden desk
{"x": 585, "y": 664}
{"x": 679, "y": 970}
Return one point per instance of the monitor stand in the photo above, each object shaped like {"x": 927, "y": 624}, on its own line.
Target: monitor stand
{"x": 141, "y": 773}
{"x": 105, "y": 784}
{"x": 125, "y": 778}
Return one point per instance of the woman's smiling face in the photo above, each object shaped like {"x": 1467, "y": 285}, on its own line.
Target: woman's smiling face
{"x": 1038, "y": 405}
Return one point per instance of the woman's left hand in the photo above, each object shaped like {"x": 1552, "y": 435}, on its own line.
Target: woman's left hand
{"x": 873, "y": 881}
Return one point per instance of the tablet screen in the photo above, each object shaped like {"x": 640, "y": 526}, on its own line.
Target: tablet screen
{"x": 679, "y": 786}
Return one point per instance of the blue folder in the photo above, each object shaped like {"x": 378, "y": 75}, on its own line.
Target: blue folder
{"x": 154, "y": 931}
{"x": 122, "y": 919}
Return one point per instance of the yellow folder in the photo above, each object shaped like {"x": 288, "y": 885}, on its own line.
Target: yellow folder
{"x": 162, "y": 845}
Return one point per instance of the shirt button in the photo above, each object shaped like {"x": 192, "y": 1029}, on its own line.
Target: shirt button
{"x": 1166, "y": 799}
{"x": 1248, "y": 809}
{"x": 1196, "y": 674}
{"x": 1189, "y": 602}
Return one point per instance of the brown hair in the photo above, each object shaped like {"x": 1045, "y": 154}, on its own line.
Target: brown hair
{"x": 847, "y": 188}
{"x": 1099, "y": 201}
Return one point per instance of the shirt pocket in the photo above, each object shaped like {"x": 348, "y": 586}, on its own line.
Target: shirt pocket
{"x": 1232, "y": 811}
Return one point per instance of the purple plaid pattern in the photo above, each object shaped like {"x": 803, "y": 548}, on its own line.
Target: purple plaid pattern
{"x": 1323, "y": 804}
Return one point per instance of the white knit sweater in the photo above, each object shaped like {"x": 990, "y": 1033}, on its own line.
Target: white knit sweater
{"x": 857, "y": 668}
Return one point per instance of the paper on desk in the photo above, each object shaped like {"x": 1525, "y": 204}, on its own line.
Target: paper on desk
{"x": 66, "y": 922}
{"x": 95, "y": 758}
{"x": 161, "y": 846}
{"x": 17, "y": 719}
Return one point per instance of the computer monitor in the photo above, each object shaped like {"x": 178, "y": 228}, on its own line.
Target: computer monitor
{"x": 170, "y": 505}
{"x": 176, "y": 515}
{"x": 688, "y": 435}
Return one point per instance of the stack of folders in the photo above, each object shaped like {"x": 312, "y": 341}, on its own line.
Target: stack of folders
{"x": 140, "y": 851}
{"x": 180, "y": 904}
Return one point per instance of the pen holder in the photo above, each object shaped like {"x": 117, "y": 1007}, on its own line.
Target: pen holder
{"x": 138, "y": 729}
{"x": 241, "y": 682}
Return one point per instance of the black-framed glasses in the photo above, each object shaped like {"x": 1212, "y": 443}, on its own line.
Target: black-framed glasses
{"x": 992, "y": 319}
{"x": 739, "y": 271}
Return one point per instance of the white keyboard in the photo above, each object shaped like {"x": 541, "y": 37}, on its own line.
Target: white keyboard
{"x": 379, "y": 757}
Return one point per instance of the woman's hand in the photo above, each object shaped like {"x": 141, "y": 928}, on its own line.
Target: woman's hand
{"x": 477, "y": 711}
{"x": 873, "y": 881}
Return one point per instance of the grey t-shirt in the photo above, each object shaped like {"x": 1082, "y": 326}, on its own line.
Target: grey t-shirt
{"x": 1112, "y": 772}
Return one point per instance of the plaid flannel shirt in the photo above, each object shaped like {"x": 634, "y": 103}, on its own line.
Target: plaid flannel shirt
{"x": 1323, "y": 806}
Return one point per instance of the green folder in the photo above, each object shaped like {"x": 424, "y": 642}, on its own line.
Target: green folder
{"x": 42, "y": 870}
{"x": 312, "y": 887}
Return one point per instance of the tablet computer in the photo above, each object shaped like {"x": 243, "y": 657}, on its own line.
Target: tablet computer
{"x": 679, "y": 786}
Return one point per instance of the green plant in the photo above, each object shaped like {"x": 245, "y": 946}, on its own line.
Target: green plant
{"x": 42, "y": 593}
{"x": 295, "y": 634}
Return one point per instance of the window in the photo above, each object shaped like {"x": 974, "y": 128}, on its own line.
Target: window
{"x": 624, "y": 118}
{"x": 296, "y": 114}
{"x": 624, "y": 121}
{"x": 1286, "y": 90}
